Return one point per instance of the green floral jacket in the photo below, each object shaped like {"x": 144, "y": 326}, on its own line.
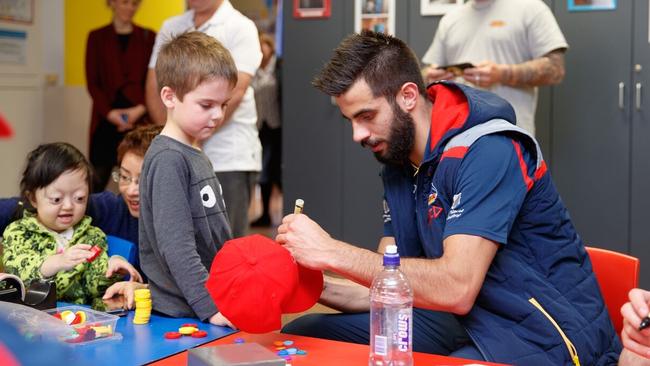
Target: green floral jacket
{"x": 27, "y": 243}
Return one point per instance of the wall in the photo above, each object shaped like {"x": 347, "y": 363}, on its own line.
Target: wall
{"x": 21, "y": 96}
{"x": 45, "y": 100}
{"x": 82, "y": 16}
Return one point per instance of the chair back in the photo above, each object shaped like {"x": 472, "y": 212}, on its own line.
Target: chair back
{"x": 124, "y": 248}
{"x": 617, "y": 274}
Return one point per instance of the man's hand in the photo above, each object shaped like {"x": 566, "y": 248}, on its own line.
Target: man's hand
{"x": 309, "y": 244}
{"x": 126, "y": 289}
{"x": 219, "y": 319}
{"x": 485, "y": 75}
{"x": 117, "y": 264}
{"x": 637, "y": 341}
{"x": 431, "y": 73}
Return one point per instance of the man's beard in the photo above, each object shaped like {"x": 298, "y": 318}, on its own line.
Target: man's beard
{"x": 401, "y": 139}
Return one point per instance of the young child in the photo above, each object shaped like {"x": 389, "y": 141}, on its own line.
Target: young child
{"x": 54, "y": 238}
{"x": 183, "y": 221}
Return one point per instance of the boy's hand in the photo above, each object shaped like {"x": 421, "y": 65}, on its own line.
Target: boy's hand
{"x": 126, "y": 289}
{"x": 117, "y": 264}
{"x": 219, "y": 319}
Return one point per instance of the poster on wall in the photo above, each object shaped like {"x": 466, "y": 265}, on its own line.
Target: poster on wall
{"x": 20, "y": 11}
{"x": 375, "y": 15}
{"x": 13, "y": 46}
{"x": 590, "y": 5}
{"x": 438, "y": 7}
{"x": 311, "y": 9}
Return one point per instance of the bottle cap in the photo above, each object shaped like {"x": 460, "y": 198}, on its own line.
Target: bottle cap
{"x": 391, "y": 257}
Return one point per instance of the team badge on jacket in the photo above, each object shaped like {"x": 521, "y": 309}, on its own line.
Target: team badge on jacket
{"x": 434, "y": 211}
{"x": 433, "y": 195}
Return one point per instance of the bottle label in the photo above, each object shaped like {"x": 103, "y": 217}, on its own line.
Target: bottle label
{"x": 403, "y": 331}
{"x": 381, "y": 345}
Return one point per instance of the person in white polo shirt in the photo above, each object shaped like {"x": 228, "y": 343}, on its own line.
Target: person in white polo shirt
{"x": 234, "y": 149}
{"x": 514, "y": 45}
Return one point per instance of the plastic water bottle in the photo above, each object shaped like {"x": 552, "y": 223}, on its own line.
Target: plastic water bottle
{"x": 391, "y": 315}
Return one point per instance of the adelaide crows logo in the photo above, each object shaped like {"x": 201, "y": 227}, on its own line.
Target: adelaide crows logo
{"x": 433, "y": 195}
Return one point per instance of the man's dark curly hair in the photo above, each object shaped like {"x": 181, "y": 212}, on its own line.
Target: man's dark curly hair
{"x": 383, "y": 61}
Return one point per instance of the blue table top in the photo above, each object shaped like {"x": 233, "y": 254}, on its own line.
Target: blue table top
{"x": 141, "y": 344}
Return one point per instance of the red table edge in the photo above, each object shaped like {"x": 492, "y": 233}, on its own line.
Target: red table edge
{"x": 318, "y": 351}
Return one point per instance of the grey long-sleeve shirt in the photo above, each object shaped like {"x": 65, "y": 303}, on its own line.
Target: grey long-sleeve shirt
{"x": 183, "y": 223}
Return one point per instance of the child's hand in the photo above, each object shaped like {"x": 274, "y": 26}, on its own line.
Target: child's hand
{"x": 74, "y": 255}
{"x": 119, "y": 265}
{"x": 126, "y": 289}
{"x": 219, "y": 319}
{"x": 70, "y": 258}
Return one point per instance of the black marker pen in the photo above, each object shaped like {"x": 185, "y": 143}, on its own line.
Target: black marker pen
{"x": 645, "y": 323}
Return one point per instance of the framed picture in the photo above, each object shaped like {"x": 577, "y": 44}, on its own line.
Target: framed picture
{"x": 19, "y": 11}
{"x": 312, "y": 9}
{"x": 375, "y": 15}
{"x": 590, "y": 5}
{"x": 438, "y": 7}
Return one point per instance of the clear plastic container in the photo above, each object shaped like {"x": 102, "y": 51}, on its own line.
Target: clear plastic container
{"x": 96, "y": 327}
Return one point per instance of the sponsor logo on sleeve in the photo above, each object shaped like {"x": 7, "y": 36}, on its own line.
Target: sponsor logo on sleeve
{"x": 455, "y": 212}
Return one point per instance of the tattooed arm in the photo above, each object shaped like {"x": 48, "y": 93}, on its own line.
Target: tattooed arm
{"x": 545, "y": 70}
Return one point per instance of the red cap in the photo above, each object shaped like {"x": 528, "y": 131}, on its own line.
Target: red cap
{"x": 253, "y": 281}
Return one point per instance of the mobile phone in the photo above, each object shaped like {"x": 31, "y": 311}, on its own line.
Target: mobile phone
{"x": 115, "y": 305}
{"x": 457, "y": 69}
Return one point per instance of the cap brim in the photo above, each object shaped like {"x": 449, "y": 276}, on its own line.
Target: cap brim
{"x": 307, "y": 292}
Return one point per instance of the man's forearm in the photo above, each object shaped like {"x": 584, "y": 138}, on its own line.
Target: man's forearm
{"x": 546, "y": 70}
{"x": 237, "y": 95}
{"x": 155, "y": 107}
{"x": 344, "y": 295}
{"x": 233, "y": 104}
{"x": 449, "y": 283}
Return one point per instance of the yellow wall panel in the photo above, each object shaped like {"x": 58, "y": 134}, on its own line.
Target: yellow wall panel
{"x": 82, "y": 16}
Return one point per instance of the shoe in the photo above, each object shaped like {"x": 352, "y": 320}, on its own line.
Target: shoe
{"x": 262, "y": 221}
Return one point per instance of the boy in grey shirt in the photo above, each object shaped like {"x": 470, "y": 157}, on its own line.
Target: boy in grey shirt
{"x": 183, "y": 221}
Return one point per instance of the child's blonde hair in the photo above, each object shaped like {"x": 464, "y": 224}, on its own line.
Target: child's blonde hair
{"x": 190, "y": 59}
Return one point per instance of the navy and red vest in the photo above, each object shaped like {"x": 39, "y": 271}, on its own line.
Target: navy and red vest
{"x": 540, "y": 303}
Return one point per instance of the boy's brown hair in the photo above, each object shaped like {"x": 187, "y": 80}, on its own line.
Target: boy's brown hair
{"x": 137, "y": 141}
{"x": 190, "y": 59}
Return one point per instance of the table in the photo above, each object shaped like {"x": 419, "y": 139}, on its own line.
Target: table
{"x": 145, "y": 343}
{"x": 319, "y": 352}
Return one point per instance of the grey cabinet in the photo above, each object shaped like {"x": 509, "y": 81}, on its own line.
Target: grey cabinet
{"x": 640, "y": 137}
{"x": 599, "y": 139}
